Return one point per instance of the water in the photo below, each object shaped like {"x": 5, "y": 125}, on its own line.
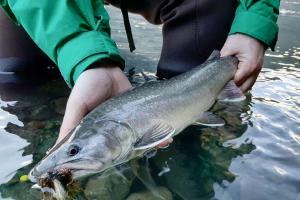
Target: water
{"x": 255, "y": 156}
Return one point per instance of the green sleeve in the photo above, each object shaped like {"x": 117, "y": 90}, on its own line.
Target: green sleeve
{"x": 74, "y": 34}
{"x": 257, "y": 18}
{"x": 5, "y": 6}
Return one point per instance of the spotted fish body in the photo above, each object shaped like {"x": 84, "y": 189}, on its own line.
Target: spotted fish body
{"x": 127, "y": 125}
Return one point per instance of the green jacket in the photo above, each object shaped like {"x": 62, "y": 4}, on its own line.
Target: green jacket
{"x": 75, "y": 34}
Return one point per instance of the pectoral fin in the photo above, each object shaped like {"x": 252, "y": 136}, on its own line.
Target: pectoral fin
{"x": 231, "y": 93}
{"x": 160, "y": 132}
{"x": 210, "y": 119}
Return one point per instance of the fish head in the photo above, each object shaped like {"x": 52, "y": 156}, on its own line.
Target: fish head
{"x": 86, "y": 150}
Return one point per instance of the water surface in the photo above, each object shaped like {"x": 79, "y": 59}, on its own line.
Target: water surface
{"x": 255, "y": 156}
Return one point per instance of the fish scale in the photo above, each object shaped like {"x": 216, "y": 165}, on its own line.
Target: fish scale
{"x": 130, "y": 124}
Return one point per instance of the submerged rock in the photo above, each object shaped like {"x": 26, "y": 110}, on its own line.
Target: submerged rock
{"x": 33, "y": 125}
{"x": 60, "y": 105}
{"x": 159, "y": 193}
{"x": 41, "y": 113}
{"x": 115, "y": 186}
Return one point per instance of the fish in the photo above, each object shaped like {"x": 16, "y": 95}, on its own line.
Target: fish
{"x": 132, "y": 123}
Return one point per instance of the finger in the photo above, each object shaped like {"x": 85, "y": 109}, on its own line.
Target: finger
{"x": 165, "y": 143}
{"x": 227, "y": 52}
{"x": 85, "y": 96}
{"x": 75, "y": 111}
{"x": 243, "y": 72}
{"x": 229, "y": 48}
{"x": 247, "y": 85}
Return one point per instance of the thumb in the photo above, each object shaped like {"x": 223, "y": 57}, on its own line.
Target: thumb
{"x": 229, "y": 48}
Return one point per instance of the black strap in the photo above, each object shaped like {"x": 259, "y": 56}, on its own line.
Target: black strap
{"x": 124, "y": 10}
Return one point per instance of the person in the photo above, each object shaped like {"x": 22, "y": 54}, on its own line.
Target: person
{"x": 76, "y": 36}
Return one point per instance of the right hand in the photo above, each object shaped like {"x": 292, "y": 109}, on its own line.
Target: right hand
{"x": 92, "y": 88}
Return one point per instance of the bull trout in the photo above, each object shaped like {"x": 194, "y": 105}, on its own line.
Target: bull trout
{"x": 128, "y": 125}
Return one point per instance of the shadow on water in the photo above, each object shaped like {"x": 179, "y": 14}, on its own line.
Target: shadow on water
{"x": 254, "y": 156}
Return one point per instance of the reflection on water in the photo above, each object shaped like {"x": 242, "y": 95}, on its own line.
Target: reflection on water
{"x": 255, "y": 156}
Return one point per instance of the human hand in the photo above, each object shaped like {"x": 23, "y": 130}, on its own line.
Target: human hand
{"x": 250, "y": 53}
{"x": 93, "y": 87}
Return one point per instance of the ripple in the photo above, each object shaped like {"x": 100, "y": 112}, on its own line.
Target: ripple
{"x": 259, "y": 146}
{"x": 12, "y": 145}
{"x": 280, "y": 170}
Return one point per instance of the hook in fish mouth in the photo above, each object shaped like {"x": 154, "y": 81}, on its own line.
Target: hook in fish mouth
{"x": 58, "y": 185}
{"x": 77, "y": 168}
{"x": 64, "y": 175}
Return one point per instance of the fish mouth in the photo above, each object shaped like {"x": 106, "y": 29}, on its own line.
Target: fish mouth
{"x": 87, "y": 165}
{"x": 78, "y": 168}
{"x": 75, "y": 173}
{"x": 82, "y": 170}
{"x": 81, "y": 173}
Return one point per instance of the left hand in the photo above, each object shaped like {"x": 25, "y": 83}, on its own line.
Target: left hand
{"x": 250, "y": 53}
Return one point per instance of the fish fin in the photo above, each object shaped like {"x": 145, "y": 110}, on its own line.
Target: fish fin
{"x": 231, "y": 93}
{"x": 160, "y": 132}
{"x": 214, "y": 54}
{"x": 150, "y": 153}
{"x": 209, "y": 119}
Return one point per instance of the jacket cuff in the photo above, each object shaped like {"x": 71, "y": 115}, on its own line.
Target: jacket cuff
{"x": 257, "y": 26}
{"x": 77, "y": 55}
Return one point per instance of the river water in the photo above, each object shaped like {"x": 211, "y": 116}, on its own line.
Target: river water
{"x": 254, "y": 156}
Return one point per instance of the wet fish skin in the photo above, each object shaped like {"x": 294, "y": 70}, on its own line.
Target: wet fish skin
{"x": 112, "y": 133}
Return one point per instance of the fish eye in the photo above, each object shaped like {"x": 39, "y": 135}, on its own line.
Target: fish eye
{"x": 73, "y": 150}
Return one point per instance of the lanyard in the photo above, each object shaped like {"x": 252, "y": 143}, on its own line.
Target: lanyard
{"x": 124, "y": 10}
